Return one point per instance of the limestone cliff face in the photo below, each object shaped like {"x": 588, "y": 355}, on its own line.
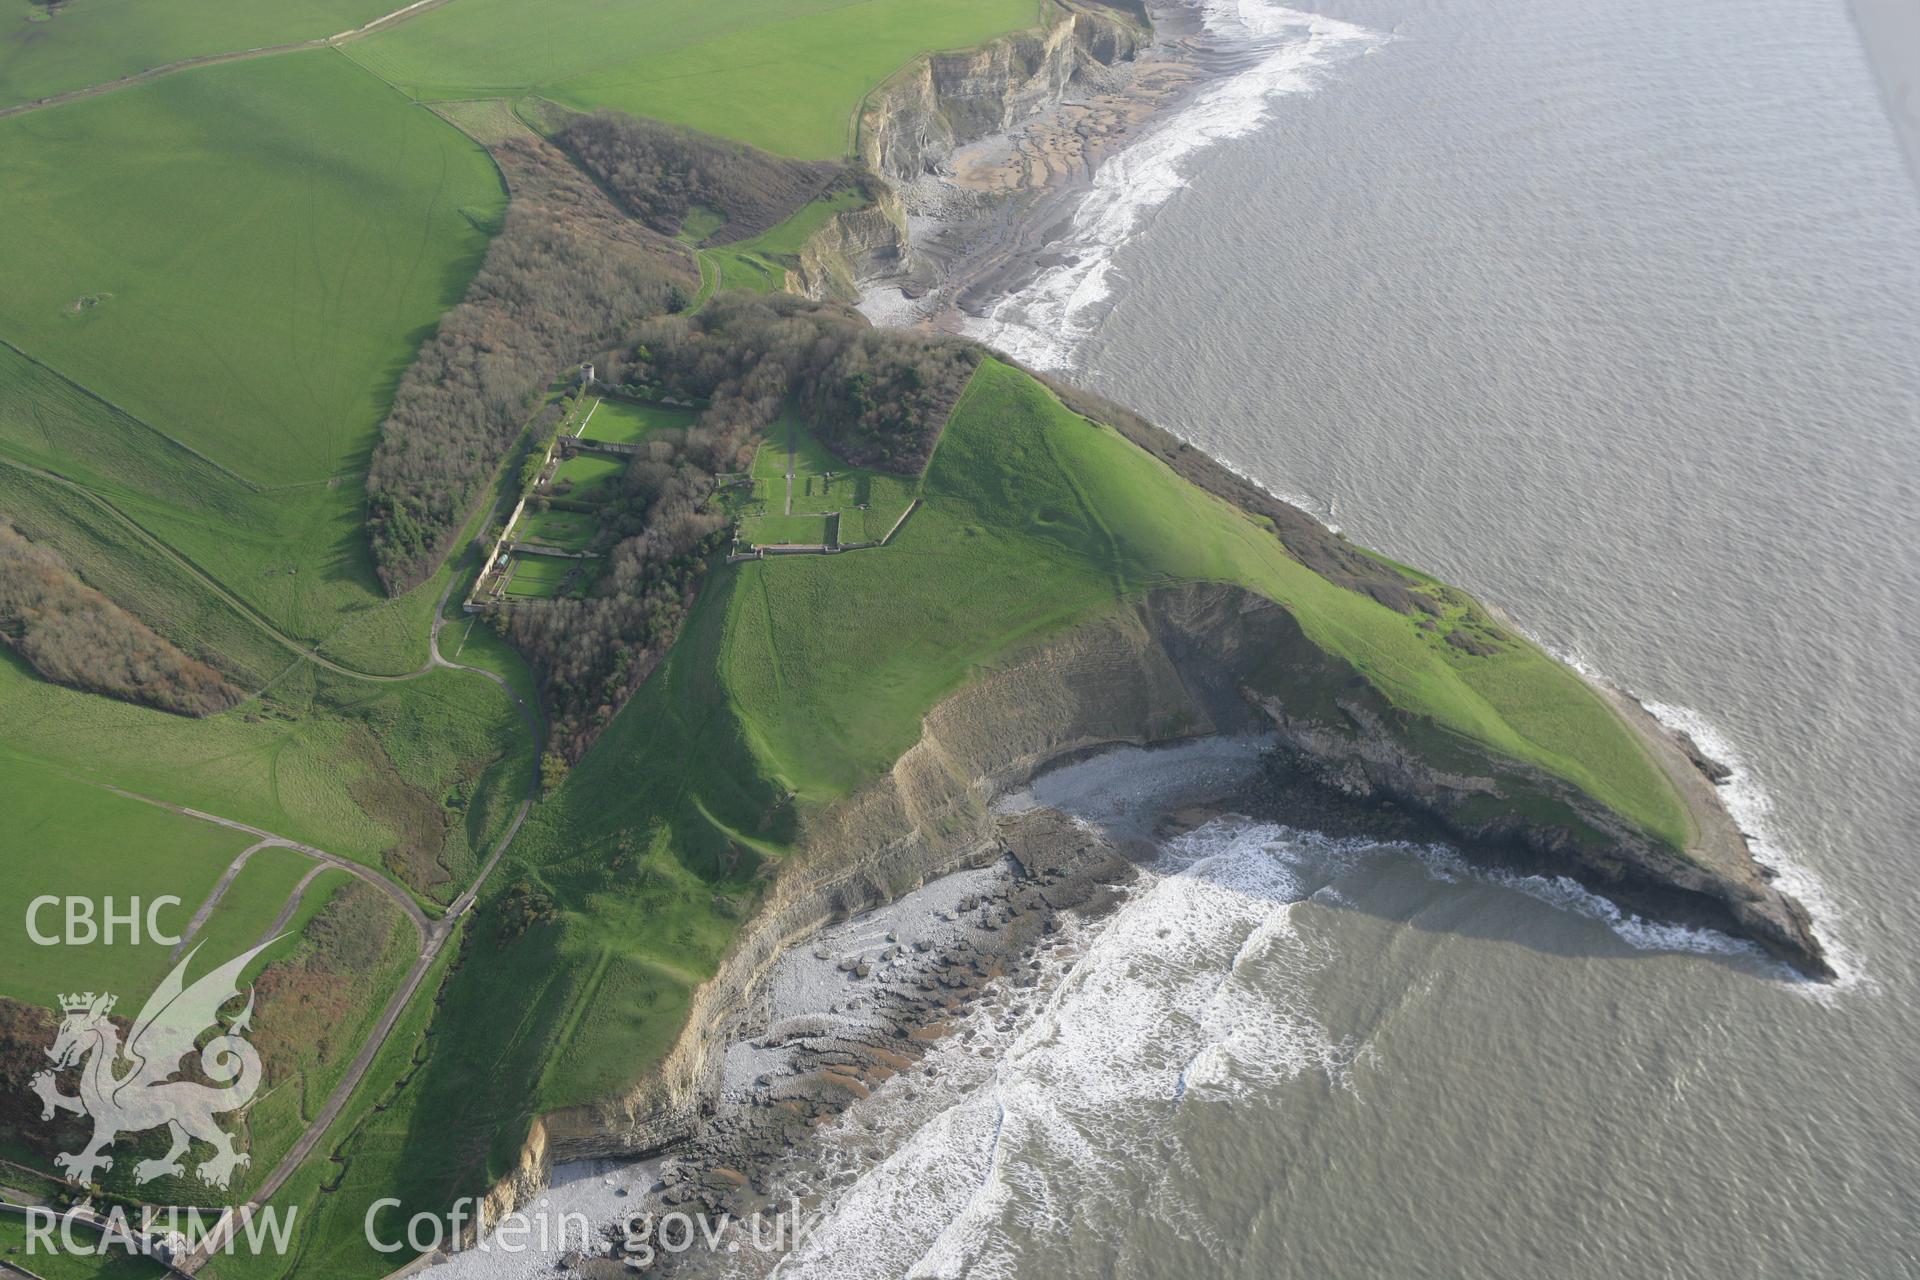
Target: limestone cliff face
{"x": 1181, "y": 662}
{"x": 911, "y": 123}
{"x": 853, "y": 245}
{"x": 1105, "y": 682}
{"x": 530, "y": 1175}
{"x": 1342, "y": 735}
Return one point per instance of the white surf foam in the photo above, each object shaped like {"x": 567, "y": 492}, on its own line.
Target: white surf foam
{"x": 1752, "y": 810}
{"x": 1192, "y": 991}
{"x": 1043, "y": 323}
{"x": 1567, "y": 894}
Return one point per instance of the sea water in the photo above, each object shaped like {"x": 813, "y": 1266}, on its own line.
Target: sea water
{"x": 1610, "y": 313}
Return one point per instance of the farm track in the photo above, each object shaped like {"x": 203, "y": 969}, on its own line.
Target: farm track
{"x": 292, "y": 905}
{"x": 214, "y": 896}
{"x": 422, "y": 923}
{"x": 245, "y": 610}
{"x": 433, "y": 934}
{"x": 213, "y": 59}
{"x": 433, "y": 937}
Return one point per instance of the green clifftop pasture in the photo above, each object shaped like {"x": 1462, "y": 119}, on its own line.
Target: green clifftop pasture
{"x": 63, "y": 47}
{"x": 205, "y": 329}
{"x": 785, "y": 75}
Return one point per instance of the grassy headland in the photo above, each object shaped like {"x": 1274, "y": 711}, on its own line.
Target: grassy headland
{"x": 798, "y": 680}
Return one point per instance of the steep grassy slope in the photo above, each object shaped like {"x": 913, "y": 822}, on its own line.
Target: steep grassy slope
{"x": 1031, "y": 516}
{"x": 785, "y": 75}
{"x": 136, "y": 513}
{"x": 357, "y": 768}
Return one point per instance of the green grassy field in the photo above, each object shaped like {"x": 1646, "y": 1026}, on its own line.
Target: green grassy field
{"x": 699, "y": 223}
{"x": 868, "y": 502}
{"x": 272, "y": 241}
{"x": 251, "y": 903}
{"x": 628, "y": 422}
{"x": 1032, "y": 517}
{"x": 785, "y": 75}
{"x": 759, "y": 264}
{"x": 567, "y": 530}
{"x": 539, "y": 577}
{"x": 878, "y": 504}
{"x": 590, "y": 477}
{"x": 739, "y": 267}
{"x": 60, "y": 1265}
{"x": 770, "y": 459}
{"x": 68, "y": 838}
{"x": 358, "y": 768}
{"x": 86, "y": 44}
{"x": 778, "y": 530}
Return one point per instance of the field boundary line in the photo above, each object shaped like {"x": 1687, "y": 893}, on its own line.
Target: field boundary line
{"x": 245, "y": 610}
{"x": 87, "y": 391}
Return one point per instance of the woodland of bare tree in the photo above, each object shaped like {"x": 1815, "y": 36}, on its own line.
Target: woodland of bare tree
{"x": 660, "y": 172}
{"x": 75, "y": 636}
{"x": 878, "y": 397}
{"x": 572, "y": 277}
{"x": 568, "y": 275}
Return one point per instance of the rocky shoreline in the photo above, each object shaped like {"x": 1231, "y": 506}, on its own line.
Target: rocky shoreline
{"x": 978, "y": 213}
{"x": 1188, "y": 664}
{"x": 870, "y": 1000}
{"x": 878, "y": 997}
{"x": 1022, "y": 124}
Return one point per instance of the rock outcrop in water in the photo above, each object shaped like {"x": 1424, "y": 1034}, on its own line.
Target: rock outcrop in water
{"x": 1182, "y": 662}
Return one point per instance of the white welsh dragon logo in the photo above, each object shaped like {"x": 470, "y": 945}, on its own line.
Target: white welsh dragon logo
{"x": 145, "y": 1095}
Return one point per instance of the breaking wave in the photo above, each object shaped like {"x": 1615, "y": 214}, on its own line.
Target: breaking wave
{"x": 1752, "y": 810}
{"x": 1194, "y": 990}
{"x": 1289, "y": 52}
